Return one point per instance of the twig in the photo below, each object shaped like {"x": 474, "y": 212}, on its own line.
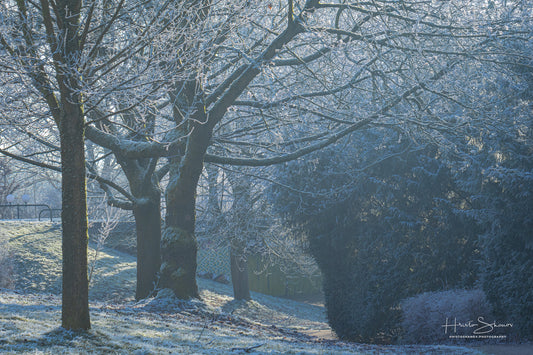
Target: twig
{"x": 206, "y": 320}
{"x": 248, "y": 349}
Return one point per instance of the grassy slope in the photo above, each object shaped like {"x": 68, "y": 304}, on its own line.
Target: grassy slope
{"x": 29, "y": 316}
{"x": 37, "y": 257}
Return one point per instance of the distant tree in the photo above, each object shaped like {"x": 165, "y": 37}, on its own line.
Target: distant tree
{"x": 230, "y": 227}
{"x": 13, "y": 178}
{"x": 234, "y": 213}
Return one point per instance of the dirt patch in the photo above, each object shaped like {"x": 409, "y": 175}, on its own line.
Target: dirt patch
{"x": 326, "y": 334}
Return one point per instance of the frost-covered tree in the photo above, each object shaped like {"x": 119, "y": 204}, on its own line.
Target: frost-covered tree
{"x": 59, "y": 53}
{"x": 320, "y": 72}
{"x": 234, "y": 213}
{"x": 13, "y": 178}
{"x": 281, "y": 80}
{"x": 113, "y": 75}
{"x": 234, "y": 216}
{"x": 60, "y": 40}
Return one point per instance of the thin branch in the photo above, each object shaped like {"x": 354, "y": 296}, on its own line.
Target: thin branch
{"x": 334, "y": 137}
{"x": 58, "y": 169}
{"x": 289, "y": 156}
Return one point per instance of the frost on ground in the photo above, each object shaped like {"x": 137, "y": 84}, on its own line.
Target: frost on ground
{"x": 28, "y": 323}
{"x": 30, "y": 315}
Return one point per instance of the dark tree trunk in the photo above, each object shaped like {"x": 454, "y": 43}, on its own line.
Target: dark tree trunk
{"x": 178, "y": 242}
{"x": 75, "y": 310}
{"x": 239, "y": 274}
{"x": 148, "y": 225}
{"x": 145, "y": 189}
{"x": 75, "y": 293}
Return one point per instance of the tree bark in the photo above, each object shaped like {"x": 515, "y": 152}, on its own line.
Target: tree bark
{"x": 178, "y": 242}
{"x": 144, "y": 187}
{"x": 147, "y": 215}
{"x": 75, "y": 293}
{"x": 75, "y": 310}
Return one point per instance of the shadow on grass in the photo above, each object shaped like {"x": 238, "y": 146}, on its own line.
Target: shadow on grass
{"x": 259, "y": 309}
{"x": 234, "y": 305}
{"x": 9, "y": 308}
{"x": 59, "y": 337}
{"x": 53, "y": 228}
{"x": 25, "y": 331}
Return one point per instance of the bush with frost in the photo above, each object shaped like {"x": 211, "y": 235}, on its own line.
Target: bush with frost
{"x": 425, "y": 315}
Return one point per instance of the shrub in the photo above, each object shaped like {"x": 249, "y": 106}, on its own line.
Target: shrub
{"x": 6, "y": 266}
{"x": 508, "y": 283}
{"x": 381, "y": 235}
{"x": 424, "y": 315}
{"x": 368, "y": 270}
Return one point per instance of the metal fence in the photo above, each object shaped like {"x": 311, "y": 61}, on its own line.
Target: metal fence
{"x": 28, "y": 211}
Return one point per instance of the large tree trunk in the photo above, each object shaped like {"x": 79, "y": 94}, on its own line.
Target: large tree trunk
{"x": 75, "y": 306}
{"x": 147, "y": 215}
{"x": 75, "y": 311}
{"x": 239, "y": 273}
{"x": 145, "y": 189}
{"x": 178, "y": 242}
